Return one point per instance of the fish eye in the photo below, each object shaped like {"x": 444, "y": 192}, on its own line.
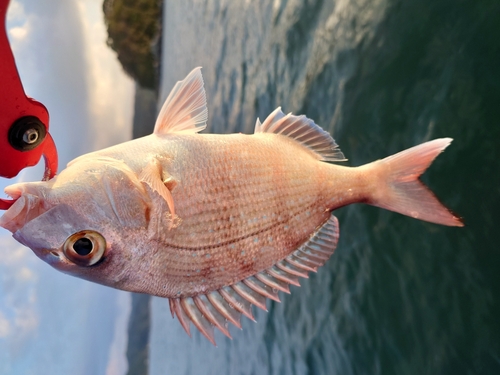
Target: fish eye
{"x": 85, "y": 248}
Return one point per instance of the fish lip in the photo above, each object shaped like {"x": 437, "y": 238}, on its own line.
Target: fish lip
{"x": 15, "y": 191}
{"x": 25, "y": 208}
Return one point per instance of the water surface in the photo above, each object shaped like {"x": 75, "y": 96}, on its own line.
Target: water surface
{"x": 399, "y": 296}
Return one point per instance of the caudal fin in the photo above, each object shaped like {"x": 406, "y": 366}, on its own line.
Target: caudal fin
{"x": 405, "y": 193}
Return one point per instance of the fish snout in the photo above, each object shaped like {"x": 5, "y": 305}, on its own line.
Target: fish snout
{"x": 15, "y": 191}
{"x": 25, "y": 208}
{"x": 50, "y": 228}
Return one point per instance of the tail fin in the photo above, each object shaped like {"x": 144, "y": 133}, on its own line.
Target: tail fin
{"x": 405, "y": 193}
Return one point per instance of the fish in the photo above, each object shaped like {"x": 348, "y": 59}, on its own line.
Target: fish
{"x": 216, "y": 223}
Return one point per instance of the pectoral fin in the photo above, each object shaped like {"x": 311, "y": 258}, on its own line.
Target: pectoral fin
{"x": 159, "y": 181}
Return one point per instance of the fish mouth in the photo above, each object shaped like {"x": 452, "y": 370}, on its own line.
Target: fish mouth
{"x": 39, "y": 221}
{"x": 26, "y": 206}
{"x": 13, "y": 192}
{"x": 38, "y": 224}
{"x": 45, "y": 229}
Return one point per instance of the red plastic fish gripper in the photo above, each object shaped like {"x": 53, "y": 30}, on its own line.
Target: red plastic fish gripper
{"x": 24, "y": 122}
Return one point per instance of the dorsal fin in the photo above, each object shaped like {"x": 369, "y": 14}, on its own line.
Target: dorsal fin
{"x": 218, "y": 307}
{"x": 185, "y": 109}
{"x": 304, "y": 131}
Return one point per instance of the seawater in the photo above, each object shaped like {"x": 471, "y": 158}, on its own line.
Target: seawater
{"x": 399, "y": 296}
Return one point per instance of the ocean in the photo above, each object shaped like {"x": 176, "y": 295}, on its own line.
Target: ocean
{"x": 399, "y": 296}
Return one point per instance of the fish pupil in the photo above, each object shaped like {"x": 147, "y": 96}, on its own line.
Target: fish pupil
{"x": 83, "y": 246}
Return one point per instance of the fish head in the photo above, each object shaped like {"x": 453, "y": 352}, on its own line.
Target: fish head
{"x": 84, "y": 221}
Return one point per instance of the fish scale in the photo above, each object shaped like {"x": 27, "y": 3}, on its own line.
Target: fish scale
{"x": 248, "y": 194}
{"x": 215, "y": 223}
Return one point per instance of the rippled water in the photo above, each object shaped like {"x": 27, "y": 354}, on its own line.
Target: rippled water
{"x": 399, "y": 296}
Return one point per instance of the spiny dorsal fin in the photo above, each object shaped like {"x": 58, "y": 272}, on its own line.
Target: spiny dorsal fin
{"x": 304, "y": 131}
{"x": 218, "y": 307}
{"x": 185, "y": 109}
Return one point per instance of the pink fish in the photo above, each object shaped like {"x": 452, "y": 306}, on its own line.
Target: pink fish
{"x": 214, "y": 223}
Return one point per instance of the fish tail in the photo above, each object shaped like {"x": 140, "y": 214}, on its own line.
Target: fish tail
{"x": 405, "y": 193}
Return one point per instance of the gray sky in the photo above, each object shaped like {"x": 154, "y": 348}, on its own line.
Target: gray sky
{"x": 49, "y": 320}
